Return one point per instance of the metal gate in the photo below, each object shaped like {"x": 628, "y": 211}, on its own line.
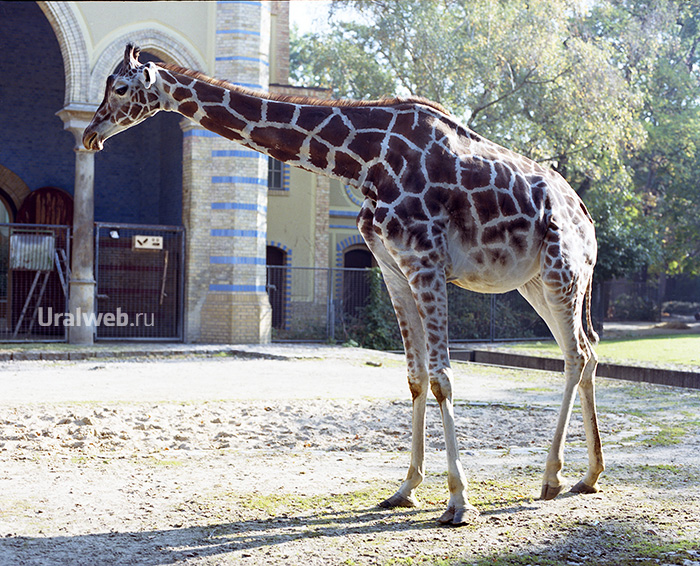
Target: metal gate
{"x": 140, "y": 280}
{"x": 34, "y": 275}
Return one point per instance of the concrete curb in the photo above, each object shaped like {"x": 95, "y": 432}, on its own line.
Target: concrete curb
{"x": 658, "y": 376}
{"x": 40, "y": 355}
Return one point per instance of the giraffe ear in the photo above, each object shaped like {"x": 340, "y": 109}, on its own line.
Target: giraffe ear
{"x": 148, "y": 75}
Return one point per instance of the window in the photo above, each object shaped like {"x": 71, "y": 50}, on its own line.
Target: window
{"x": 275, "y": 174}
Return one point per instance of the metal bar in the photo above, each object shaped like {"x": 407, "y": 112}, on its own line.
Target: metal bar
{"x": 40, "y": 298}
{"x": 155, "y": 228}
{"x": 26, "y": 304}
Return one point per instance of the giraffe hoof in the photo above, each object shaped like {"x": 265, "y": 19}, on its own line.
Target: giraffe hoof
{"x": 581, "y": 487}
{"x": 550, "y": 492}
{"x": 399, "y": 500}
{"x": 458, "y": 516}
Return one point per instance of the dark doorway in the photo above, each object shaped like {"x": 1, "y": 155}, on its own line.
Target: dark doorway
{"x": 355, "y": 282}
{"x": 277, "y": 276}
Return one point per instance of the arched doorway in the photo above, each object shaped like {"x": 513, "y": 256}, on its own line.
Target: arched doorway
{"x": 47, "y": 205}
{"x": 277, "y": 277}
{"x": 33, "y": 143}
{"x": 356, "y": 260}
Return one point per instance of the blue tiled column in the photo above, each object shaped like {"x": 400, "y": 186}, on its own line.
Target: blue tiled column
{"x": 226, "y": 198}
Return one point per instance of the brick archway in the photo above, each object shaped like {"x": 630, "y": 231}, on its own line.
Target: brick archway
{"x": 165, "y": 45}
{"x": 13, "y": 186}
{"x": 66, "y": 26}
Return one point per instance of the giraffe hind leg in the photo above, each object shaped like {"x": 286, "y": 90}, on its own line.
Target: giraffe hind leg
{"x": 564, "y": 320}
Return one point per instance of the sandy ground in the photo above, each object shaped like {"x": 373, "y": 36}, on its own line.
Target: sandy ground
{"x": 282, "y": 461}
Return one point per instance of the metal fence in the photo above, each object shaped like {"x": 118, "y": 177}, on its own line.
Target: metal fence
{"x": 317, "y": 304}
{"x": 139, "y": 271}
{"x": 34, "y": 275}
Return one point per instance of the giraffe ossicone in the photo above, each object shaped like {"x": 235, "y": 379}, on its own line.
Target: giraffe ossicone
{"x": 441, "y": 205}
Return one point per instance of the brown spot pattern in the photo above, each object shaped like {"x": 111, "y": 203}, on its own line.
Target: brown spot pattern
{"x": 207, "y": 93}
{"x": 346, "y": 166}
{"x": 335, "y": 132}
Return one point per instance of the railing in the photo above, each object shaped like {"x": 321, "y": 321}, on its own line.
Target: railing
{"x": 332, "y": 304}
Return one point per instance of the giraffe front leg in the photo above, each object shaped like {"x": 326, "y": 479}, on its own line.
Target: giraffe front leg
{"x": 405, "y": 496}
{"x": 459, "y": 510}
{"x": 414, "y": 346}
{"x": 432, "y": 306}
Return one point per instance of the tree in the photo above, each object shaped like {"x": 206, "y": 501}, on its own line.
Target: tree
{"x": 666, "y": 67}
{"x": 518, "y": 72}
{"x": 605, "y": 92}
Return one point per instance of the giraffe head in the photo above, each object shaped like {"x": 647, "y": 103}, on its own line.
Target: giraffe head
{"x": 131, "y": 96}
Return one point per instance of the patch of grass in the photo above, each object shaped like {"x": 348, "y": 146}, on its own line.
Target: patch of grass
{"x": 668, "y": 552}
{"x": 420, "y": 560}
{"x": 661, "y": 349}
{"x": 513, "y": 560}
{"x": 158, "y": 462}
{"x": 275, "y": 504}
{"x": 668, "y": 435}
{"x": 492, "y": 494}
{"x": 655, "y": 475}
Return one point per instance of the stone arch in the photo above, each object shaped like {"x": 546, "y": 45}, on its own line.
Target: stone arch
{"x": 343, "y": 245}
{"x": 13, "y": 186}
{"x": 164, "y": 44}
{"x": 71, "y": 39}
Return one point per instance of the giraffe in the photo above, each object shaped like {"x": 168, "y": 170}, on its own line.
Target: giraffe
{"x": 441, "y": 205}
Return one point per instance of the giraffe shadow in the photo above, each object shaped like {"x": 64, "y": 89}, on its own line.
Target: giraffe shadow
{"x": 175, "y": 545}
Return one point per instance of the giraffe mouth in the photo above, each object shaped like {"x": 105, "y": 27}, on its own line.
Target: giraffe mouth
{"x": 92, "y": 141}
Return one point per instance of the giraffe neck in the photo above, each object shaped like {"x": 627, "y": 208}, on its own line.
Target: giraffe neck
{"x": 322, "y": 138}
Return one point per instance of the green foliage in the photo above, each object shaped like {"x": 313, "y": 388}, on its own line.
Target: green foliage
{"x": 634, "y": 307}
{"x": 627, "y": 240}
{"x": 376, "y": 326}
{"x": 506, "y": 68}
{"x": 471, "y": 316}
{"x": 605, "y": 92}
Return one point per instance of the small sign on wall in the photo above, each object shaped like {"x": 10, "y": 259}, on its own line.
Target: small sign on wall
{"x": 147, "y": 242}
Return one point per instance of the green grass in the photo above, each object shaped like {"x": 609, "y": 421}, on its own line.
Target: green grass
{"x": 663, "y": 349}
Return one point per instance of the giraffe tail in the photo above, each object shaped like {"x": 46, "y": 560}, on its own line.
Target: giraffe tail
{"x": 592, "y": 334}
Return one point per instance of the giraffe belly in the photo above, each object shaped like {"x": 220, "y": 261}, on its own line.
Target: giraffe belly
{"x": 487, "y": 270}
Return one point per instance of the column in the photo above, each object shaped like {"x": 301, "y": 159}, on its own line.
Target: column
{"x": 225, "y": 199}
{"x": 82, "y": 282}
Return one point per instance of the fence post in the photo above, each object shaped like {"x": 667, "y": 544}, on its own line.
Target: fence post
{"x": 331, "y": 307}
{"x": 492, "y": 329}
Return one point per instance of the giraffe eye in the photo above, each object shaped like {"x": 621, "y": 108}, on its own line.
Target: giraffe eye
{"x": 121, "y": 90}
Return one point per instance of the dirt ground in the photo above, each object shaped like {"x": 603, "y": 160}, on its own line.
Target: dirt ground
{"x": 238, "y": 460}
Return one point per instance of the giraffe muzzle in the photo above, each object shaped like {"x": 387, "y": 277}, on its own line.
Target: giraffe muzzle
{"x": 92, "y": 140}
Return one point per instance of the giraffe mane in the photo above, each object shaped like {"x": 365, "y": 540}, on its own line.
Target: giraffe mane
{"x": 295, "y": 99}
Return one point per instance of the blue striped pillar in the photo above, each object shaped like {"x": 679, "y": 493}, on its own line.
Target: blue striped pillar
{"x": 226, "y": 198}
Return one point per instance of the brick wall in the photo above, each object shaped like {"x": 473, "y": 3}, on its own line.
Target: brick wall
{"x": 33, "y": 144}
{"x": 226, "y": 198}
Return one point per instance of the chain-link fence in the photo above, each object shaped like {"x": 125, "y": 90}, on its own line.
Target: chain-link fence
{"x": 34, "y": 275}
{"x": 339, "y": 305}
{"x": 140, "y": 280}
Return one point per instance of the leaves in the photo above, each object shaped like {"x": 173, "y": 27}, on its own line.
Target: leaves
{"x": 605, "y": 92}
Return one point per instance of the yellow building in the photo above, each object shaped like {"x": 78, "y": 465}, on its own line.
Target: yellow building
{"x": 240, "y": 211}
